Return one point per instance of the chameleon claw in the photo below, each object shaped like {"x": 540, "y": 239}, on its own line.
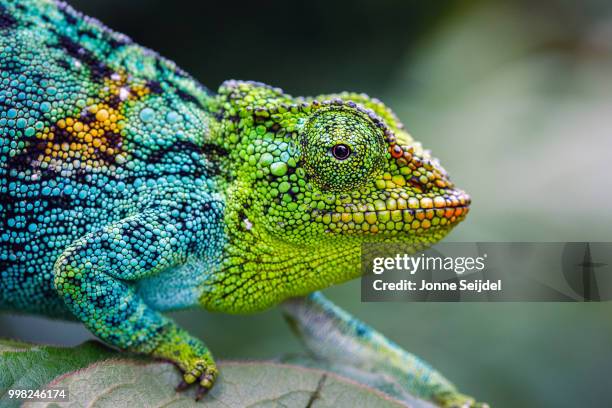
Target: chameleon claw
{"x": 201, "y": 392}
{"x": 206, "y": 382}
{"x": 182, "y": 386}
{"x": 201, "y": 374}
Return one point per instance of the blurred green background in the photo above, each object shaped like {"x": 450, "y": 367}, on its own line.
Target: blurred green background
{"x": 515, "y": 98}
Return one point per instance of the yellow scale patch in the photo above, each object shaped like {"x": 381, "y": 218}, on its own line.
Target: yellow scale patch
{"x": 92, "y": 143}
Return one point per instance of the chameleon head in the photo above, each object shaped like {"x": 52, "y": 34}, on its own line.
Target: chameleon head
{"x": 376, "y": 182}
{"x": 338, "y": 171}
{"x": 315, "y": 178}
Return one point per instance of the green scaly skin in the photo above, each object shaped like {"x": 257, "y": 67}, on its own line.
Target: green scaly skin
{"x": 127, "y": 189}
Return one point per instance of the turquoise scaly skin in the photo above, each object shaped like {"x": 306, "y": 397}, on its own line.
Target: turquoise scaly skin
{"x": 128, "y": 189}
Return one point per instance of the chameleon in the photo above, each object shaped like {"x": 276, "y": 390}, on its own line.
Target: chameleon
{"x": 128, "y": 189}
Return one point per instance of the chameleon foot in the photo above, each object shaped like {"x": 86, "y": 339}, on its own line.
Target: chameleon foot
{"x": 204, "y": 374}
{"x": 456, "y": 400}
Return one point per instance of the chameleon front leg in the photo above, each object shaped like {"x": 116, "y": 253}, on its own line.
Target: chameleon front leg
{"x": 332, "y": 334}
{"x": 95, "y": 277}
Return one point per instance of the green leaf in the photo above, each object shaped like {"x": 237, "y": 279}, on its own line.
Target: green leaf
{"x": 115, "y": 383}
{"x": 28, "y": 366}
{"x": 96, "y": 375}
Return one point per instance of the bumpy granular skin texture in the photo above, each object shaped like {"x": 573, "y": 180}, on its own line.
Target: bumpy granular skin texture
{"x": 295, "y": 214}
{"x": 127, "y": 189}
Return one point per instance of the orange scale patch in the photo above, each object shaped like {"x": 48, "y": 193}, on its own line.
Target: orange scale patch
{"x": 93, "y": 139}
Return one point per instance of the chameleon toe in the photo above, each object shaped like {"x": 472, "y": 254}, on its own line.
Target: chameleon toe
{"x": 182, "y": 386}
{"x": 201, "y": 392}
{"x": 207, "y": 380}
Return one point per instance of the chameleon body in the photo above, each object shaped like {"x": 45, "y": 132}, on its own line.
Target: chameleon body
{"x": 128, "y": 189}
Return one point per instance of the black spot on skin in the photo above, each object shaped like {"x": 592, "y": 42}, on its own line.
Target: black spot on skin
{"x": 214, "y": 160}
{"x": 63, "y": 63}
{"x": 8, "y": 66}
{"x": 219, "y": 115}
{"x": 158, "y": 66}
{"x": 98, "y": 70}
{"x": 60, "y": 136}
{"x": 154, "y": 86}
{"x": 70, "y": 19}
{"x": 60, "y": 201}
{"x": 187, "y": 97}
{"x": 214, "y": 154}
{"x": 291, "y": 193}
{"x": 23, "y": 160}
{"x": 242, "y": 216}
{"x": 214, "y": 150}
{"x": 87, "y": 117}
{"x": 116, "y": 44}
{"x": 113, "y": 101}
{"x": 4, "y": 265}
{"x": 86, "y": 32}
{"x": 7, "y": 21}
{"x": 272, "y": 178}
{"x": 113, "y": 139}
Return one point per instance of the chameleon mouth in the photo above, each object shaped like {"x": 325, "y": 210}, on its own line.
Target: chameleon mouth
{"x": 407, "y": 216}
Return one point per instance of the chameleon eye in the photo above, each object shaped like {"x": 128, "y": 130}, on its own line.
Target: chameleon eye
{"x": 341, "y": 151}
{"x": 331, "y": 137}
